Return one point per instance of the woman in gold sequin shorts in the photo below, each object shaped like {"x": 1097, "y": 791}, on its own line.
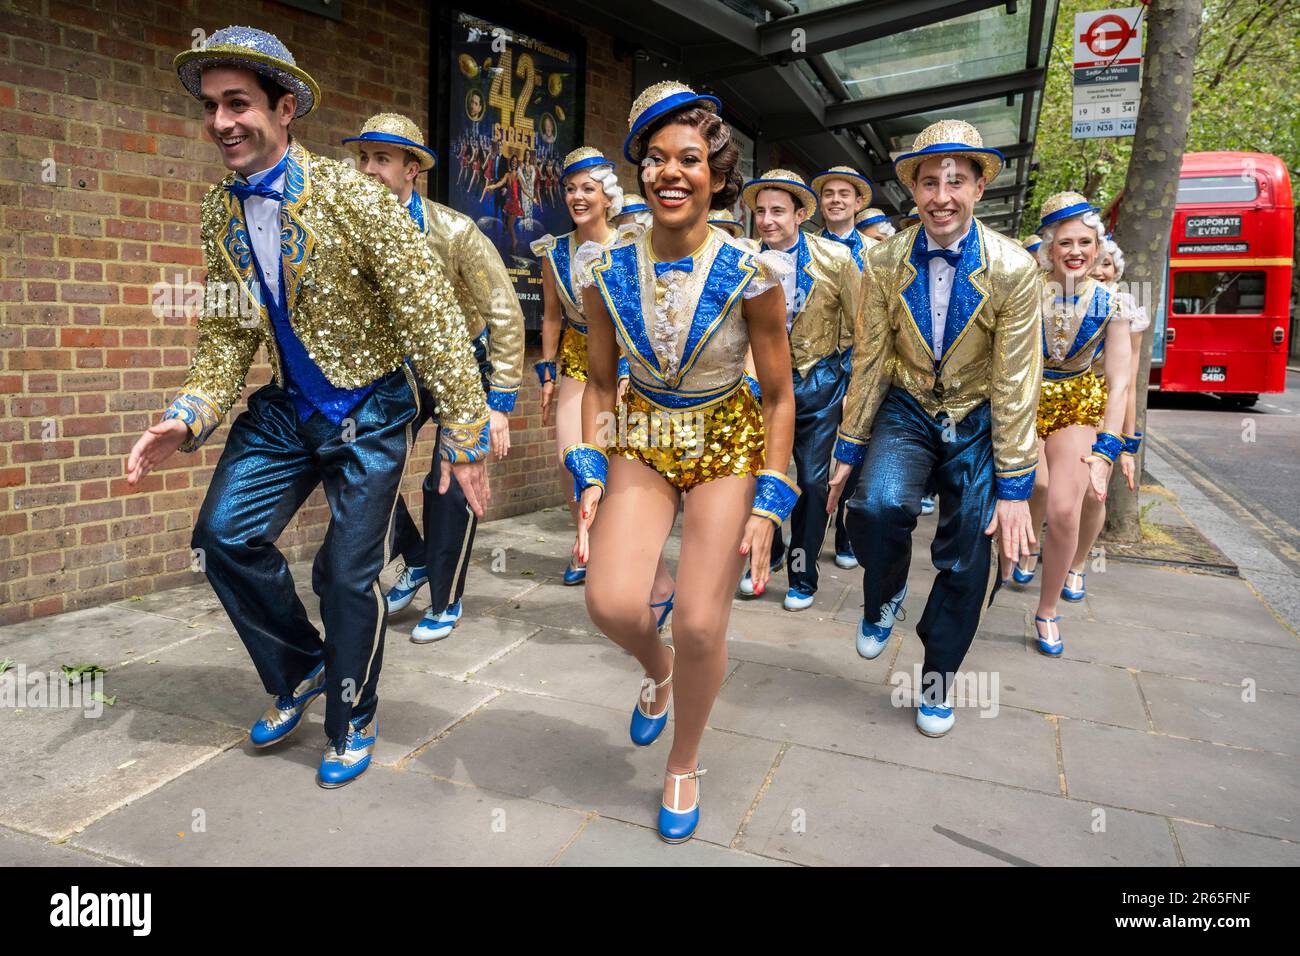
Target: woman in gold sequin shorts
{"x": 1081, "y": 332}
{"x": 683, "y": 302}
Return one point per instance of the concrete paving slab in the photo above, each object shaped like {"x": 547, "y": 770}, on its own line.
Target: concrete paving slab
{"x": 1186, "y": 708}
{"x": 106, "y": 636}
{"x": 578, "y": 755}
{"x": 270, "y": 812}
{"x": 1242, "y": 789}
{"x": 826, "y": 809}
{"x": 63, "y": 769}
{"x": 1243, "y": 618}
{"x": 23, "y": 849}
{"x": 476, "y": 641}
{"x": 1214, "y": 846}
{"x": 1015, "y": 746}
{"x": 604, "y": 842}
{"x": 808, "y": 641}
{"x": 1221, "y": 660}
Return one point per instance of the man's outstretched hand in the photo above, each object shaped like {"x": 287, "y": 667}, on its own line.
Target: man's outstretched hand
{"x": 154, "y": 447}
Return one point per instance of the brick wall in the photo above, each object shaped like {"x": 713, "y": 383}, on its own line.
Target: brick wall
{"x": 102, "y": 166}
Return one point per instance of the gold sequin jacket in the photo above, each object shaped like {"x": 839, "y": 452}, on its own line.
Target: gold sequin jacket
{"x": 992, "y": 346}
{"x": 363, "y": 291}
{"x": 827, "y": 282}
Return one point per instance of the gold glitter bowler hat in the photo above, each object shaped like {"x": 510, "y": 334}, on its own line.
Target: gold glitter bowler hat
{"x": 911, "y": 219}
{"x": 1032, "y": 241}
{"x": 948, "y": 138}
{"x": 869, "y": 217}
{"x": 861, "y": 183}
{"x": 657, "y": 100}
{"x": 250, "y": 49}
{"x": 584, "y": 157}
{"x": 1064, "y": 205}
{"x": 780, "y": 179}
{"x": 400, "y": 131}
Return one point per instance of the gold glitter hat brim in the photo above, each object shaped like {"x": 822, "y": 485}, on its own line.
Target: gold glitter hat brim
{"x": 870, "y": 216}
{"x": 988, "y": 159}
{"x": 191, "y": 63}
{"x": 802, "y": 194}
{"x": 732, "y": 226}
{"x": 675, "y": 97}
{"x": 420, "y": 153}
{"x": 861, "y": 183}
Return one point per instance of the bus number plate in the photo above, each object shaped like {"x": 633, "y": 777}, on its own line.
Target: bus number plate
{"x": 1214, "y": 373}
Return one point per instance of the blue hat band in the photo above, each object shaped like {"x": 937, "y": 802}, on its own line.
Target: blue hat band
{"x": 656, "y": 110}
{"x": 1069, "y": 212}
{"x": 836, "y": 174}
{"x": 950, "y": 148}
{"x": 800, "y": 191}
{"x": 873, "y": 220}
{"x": 393, "y": 138}
{"x": 588, "y": 163}
{"x": 636, "y": 207}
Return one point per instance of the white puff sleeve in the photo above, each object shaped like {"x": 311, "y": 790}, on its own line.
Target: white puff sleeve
{"x": 773, "y": 268}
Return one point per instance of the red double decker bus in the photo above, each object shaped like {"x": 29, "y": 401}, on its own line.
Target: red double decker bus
{"x": 1223, "y": 321}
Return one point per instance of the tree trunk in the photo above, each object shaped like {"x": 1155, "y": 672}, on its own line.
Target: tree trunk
{"x": 1150, "y": 191}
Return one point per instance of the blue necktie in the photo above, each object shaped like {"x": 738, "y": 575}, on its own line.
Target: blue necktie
{"x": 244, "y": 190}
{"x": 686, "y": 264}
{"x": 950, "y": 256}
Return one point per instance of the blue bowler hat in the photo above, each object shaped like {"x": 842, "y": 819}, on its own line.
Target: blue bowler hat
{"x": 398, "y": 130}
{"x": 659, "y": 99}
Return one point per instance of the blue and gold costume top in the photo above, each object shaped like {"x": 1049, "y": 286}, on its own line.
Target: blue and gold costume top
{"x": 1074, "y": 337}
{"x": 680, "y": 324}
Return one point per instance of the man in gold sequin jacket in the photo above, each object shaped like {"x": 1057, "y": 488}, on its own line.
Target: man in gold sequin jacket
{"x": 391, "y": 150}
{"x": 821, "y": 282}
{"x": 946, "y": 363}
{"x": 320, "y": 265}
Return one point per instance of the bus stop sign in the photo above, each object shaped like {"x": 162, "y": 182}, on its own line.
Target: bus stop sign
{"x": 1107, "y": 72}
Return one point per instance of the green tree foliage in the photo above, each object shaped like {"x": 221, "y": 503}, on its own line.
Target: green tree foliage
{"x": 1246, "y": 87}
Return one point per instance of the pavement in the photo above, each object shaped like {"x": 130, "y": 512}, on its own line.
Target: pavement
{"x": 1165, "y": 735}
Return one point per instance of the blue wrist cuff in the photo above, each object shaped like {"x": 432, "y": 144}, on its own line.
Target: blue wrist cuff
{"x": 1132, "y": 443}
{"x": 850, "y": 450}
{"x": 1108, "y": 446}
{"x": 1014, "y": 487}
{"x": 775, "y": 495}
{"x": 545, "y": 372}
{"x": 501, "y": 399}
{"x": 589, "y": 466}
{"x": 754, "y": 387}
{"x": 459, "y": 443}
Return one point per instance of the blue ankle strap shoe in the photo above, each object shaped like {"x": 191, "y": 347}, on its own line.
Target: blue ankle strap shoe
{"x": 646, "y": 728}
{"x": 1050, "y": 645}
{"x": 1071, "y": 594}
{"x": 573, "y": 576}
{"x": 678, "y": 826}
{"x": 1024, "y": 577}
{"x": 348, "y": 759}
{"x": 284, "y": 716}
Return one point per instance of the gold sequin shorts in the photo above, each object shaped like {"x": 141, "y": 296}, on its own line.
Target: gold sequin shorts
{"x": 1073, "y": 401}
{"x": 694, "y": 445}
{"x": 573, "y": 354}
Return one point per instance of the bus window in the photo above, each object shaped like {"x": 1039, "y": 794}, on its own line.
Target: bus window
{"x": 1217, "y": 189}
{"x": 1218, "y": 293}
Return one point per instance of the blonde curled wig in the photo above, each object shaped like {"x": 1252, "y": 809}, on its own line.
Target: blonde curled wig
{"x": 1044, "y": 252}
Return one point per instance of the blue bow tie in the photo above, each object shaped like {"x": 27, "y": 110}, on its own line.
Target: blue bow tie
{"x": 950, "y": 256}
{"x": 686, "y": 264}
{"x": 850, "y": 240}
{"x": 244, "y": 190}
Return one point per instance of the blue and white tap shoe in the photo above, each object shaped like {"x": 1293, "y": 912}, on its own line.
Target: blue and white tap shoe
{"x": 434, "y": 627}
{"x": 1049, "y": 643}
{"x": 1074, "y": 595}
{"x": 646, "y": 728}
{"x": 874, "y": 638}
{"x": 575, "y": 574}
{"x": 1024, "y": 577}
{"x": 927, "y": 505}
{"x": 408, "y": 582}
{"x": 935, "y": 720}
{"x": 284, "y": 716}
{"x": 678, "y": 826}
{"x": 797, "y": 599}
{"x": 747, "y": 581}
{"x": 846, "y": 560}
{"x": 345, "y": 761}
